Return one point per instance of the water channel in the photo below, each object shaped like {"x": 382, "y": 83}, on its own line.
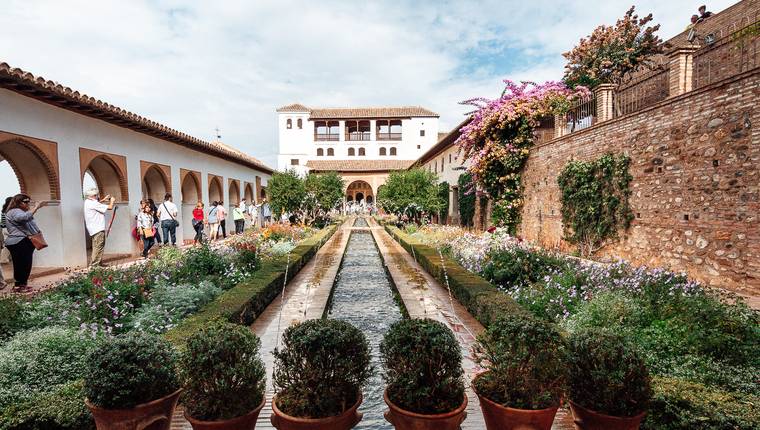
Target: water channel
{"x": 363, "y": 295}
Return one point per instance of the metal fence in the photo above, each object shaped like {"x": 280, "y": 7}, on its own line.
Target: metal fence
{"x": 726, "y": 57}
{"x": 581, "y": 115}
{"x": 641, "y": 92}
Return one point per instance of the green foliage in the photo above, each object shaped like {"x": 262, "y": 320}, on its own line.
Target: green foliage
{"x": 61, "y": 408}
{"x": 202, "y": 262}
{"x": 36, "y": 361}
{"x": 594, "y": 196}
{"x": 443, "y": 195}
{"x": 324, "y": 192}
{"x": 11, "y": 317}
{"x": 286, "y": 192}
{"x": 516, "y": 266}
{"x": 170, "y": 303}
{"x": 681, "y": 405}
{"x": 524, "y": 360}
{"x": 423, "y": 366}
{"x": 606, "y": 374}
{"x": 321, "y": 368}
{"x": 466, "y": 199}
{"x": 410, "y": 193}
{"x": 222, "y": 372}
{"x": 130, "y": 369}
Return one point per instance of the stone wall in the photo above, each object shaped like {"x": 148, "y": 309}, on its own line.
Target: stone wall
{"x": 695, "y": 164}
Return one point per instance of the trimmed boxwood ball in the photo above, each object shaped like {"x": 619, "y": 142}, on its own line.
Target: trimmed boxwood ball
{"x": 222, "y": 372}
{"x": 130, "y": 369}
{"x": 320, "y": 368}
{"x": 524, "y": 362}
{"x": 422, "y": 365}
{"x": 606, "y": 374}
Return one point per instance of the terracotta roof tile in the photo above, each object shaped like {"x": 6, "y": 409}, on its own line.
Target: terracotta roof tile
{"x": 358, "y": 165}
{"x": 51, "y": 92}
{"x": 295, "y": 107}
{"x": 371, "y": 112}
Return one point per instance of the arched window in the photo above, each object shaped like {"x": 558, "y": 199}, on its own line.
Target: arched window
{"x": 361, "y": 152}
{"x": 330, "y": 152}
{"x": 300, "y": 123}
{"x": 289, "y": 123}
{"x": 320, "y": 152}
{"x": 351, "y": 152}
{"x": 393, "y": 151}
{"x": 382, "y": 151}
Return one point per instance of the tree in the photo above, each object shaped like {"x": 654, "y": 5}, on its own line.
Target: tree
{"x": 466, "y": 199}
{"x": 611, "y": 52}
{"x": 324, "y": 192}
{"x": 443, "y": 195}
{"x": 410, "y": 193}
{"x": 286, "y": 192}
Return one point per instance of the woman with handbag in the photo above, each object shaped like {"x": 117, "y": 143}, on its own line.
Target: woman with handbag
{"x": 24, "y": 237}
{"x": 145, "y": 227}
{"x": 198, "y": 223}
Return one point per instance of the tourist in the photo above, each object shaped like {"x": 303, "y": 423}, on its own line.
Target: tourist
{"x": 198, "y": 223}
{"x": 95, "y": 221}
{"x": 694, "y": 20}
{"x": 213, "y": 220}
{"x": 156, "y": 220}
{"x": 167, "y": 214}
{"x": 266, "y": 212}
{"x": 253, "y": 214}
{"x": 147, "y": 229}
{"x": 222, "y": 218}
{"x": 704, "y": 13}
{"x": 2, "y": 239}
{"x": 238, "y": 215}
{"x": 19, "y": 220}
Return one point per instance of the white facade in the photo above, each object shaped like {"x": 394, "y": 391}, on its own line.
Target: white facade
{"x": 328, "y": 134}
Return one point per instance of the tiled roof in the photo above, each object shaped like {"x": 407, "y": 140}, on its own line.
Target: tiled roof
{"x": 371, "y": 112}
{"x": 441, "y": 135}
{"x": 51, "y": 92}
{"x": 358, "y": 165}
{"x": 295, "y": 107}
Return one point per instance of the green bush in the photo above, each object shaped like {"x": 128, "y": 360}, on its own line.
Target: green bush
{"x": 466, "y": 199}
{"x": 423, "y": 366}
{"x": 321, "y": 368}
{"x": 40, "y": 360}
{"x": 201, "y": 262}
{"x": 11, "y": 320}
{"x": 222, "y": 372}
{"x": 130, "y": 369}
{"x": 516, "y": 266}
{"x": 606, "y": 374}
{"x": 61, "y": 408}
{"x": 170, "y": 303}
{"x": 524, "y": 363}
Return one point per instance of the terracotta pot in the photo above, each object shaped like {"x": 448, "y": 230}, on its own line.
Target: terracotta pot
{"x": 503, "y": 418}
{"x": 586, "y": 419}
{"x": 406, "y": 420}
{"x": 245, "y": 422}
{"x": 155, "y": 415}
{"x": 344, "y": 421}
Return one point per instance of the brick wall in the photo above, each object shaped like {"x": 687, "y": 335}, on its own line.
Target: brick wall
{"x": 696, "y": 187}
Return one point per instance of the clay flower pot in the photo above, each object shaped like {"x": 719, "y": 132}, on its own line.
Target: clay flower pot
{"x": 406, "y": 420}
{"x": 344, "y": 421}
{"x": 503, "y": 418}
{"x": 586, "y": 419}
{"x": 155, "y": 415}
{"x": 245, "y": 422}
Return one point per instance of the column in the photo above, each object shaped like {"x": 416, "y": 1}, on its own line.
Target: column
{"x": 604, "y": 102}
{"x": 680, "y": 69}
{"x": 559, "y": 125}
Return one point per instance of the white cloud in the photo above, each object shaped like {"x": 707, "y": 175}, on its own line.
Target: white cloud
{"x": 197, "y": 65}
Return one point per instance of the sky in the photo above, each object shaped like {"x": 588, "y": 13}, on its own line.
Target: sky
{"x": 198, "y": 65}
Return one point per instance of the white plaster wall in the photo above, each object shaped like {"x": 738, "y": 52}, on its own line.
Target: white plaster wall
{"x": 63, "y": 224}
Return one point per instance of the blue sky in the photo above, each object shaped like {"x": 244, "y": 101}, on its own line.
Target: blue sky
{"x": 196, "y": 65}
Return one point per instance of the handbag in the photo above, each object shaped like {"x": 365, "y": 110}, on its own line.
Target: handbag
{"x": 148, "y": 232}
{"x": 38, "y": 240}
{"x": 174, "y": 220}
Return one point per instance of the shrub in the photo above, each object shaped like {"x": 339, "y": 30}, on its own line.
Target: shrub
{"x": 11, "y": 319}
{"x": 130, "y": 369}
{"x": 524, "y": 359}
{"x": 423, "y": 366}
{"x": 202, "y": 262}
{"x": 40, "y": 360}
{"x": 518, "y": 265}
{"x": 466, "y": 199}
{"x": 606, "y": 374}
{"x": 321, "y": 368}
{"x": 170, "y": 303}
{"x": 222, "y": 372}
{"x": 61, "y": 408}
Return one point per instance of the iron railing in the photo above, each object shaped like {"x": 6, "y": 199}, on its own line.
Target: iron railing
{"x": 642, "y": 91}
{"x": 388, "y": 136}
{"x": 726, "y": 57}
{"x": 326, "y": 136}
{"x": 581, "y": 115}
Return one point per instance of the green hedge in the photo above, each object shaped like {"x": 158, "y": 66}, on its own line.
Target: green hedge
{"x": 62, "y": 408}
{"x": 482, "y": 300}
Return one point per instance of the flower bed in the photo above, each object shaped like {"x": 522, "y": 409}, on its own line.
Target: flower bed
{"x": 687, "y": 333}
{"x": 155, "y": 296}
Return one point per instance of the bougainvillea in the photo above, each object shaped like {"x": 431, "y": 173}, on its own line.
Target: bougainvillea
{"x": 498, "y": 138}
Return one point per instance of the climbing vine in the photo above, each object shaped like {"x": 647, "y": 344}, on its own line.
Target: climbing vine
{"x": 594, "y": 196}
{"x": 466, "y": 199}
{"x": 443, "y": 195}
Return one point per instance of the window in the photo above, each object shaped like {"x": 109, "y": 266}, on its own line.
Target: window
{"x": 442, "y": 164}
{"x": 357, "y": 130}
{"x": 436, "y": 167}
{"x": 330, "y": 152}
{"x": 362, "y": 152}
{"x": 382, "y": 151}
{"x": 393, "y": 151}
{"x": 289, "y": 124}
{"x": 326, "y": 130}
{"x": 300, "y": 123}
{"x": 294, "y": 161}
{"x": 320, "y": 152}
{"x": 389, "y": 129}
{"x": 449, "y": 158}
{"x": 351, "y": 152}
{"x": 422, "y": 133}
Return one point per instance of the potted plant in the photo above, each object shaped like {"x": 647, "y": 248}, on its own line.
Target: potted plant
{"x": 319, "y": 373}
{"x": 424, "y": 376}
{"x": 131, "y": 383}
{"x": 608, "y": 383}
{"x": 524, "y": 376}
{"x": 224, "y": 378}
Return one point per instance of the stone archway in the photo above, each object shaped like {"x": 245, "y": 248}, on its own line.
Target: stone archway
{"x": 156, "y": 181}
{"x": 215, "y": 189}
{"x": 248, "y": 194}
{"x": 234, "y": 193}
{"x": 359, "y": 191}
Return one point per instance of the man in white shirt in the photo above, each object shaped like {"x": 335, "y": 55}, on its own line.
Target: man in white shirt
{"x": 167, "y": 215}
{"x": 95, "y": 221}
{"x": 253, "y": 212}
